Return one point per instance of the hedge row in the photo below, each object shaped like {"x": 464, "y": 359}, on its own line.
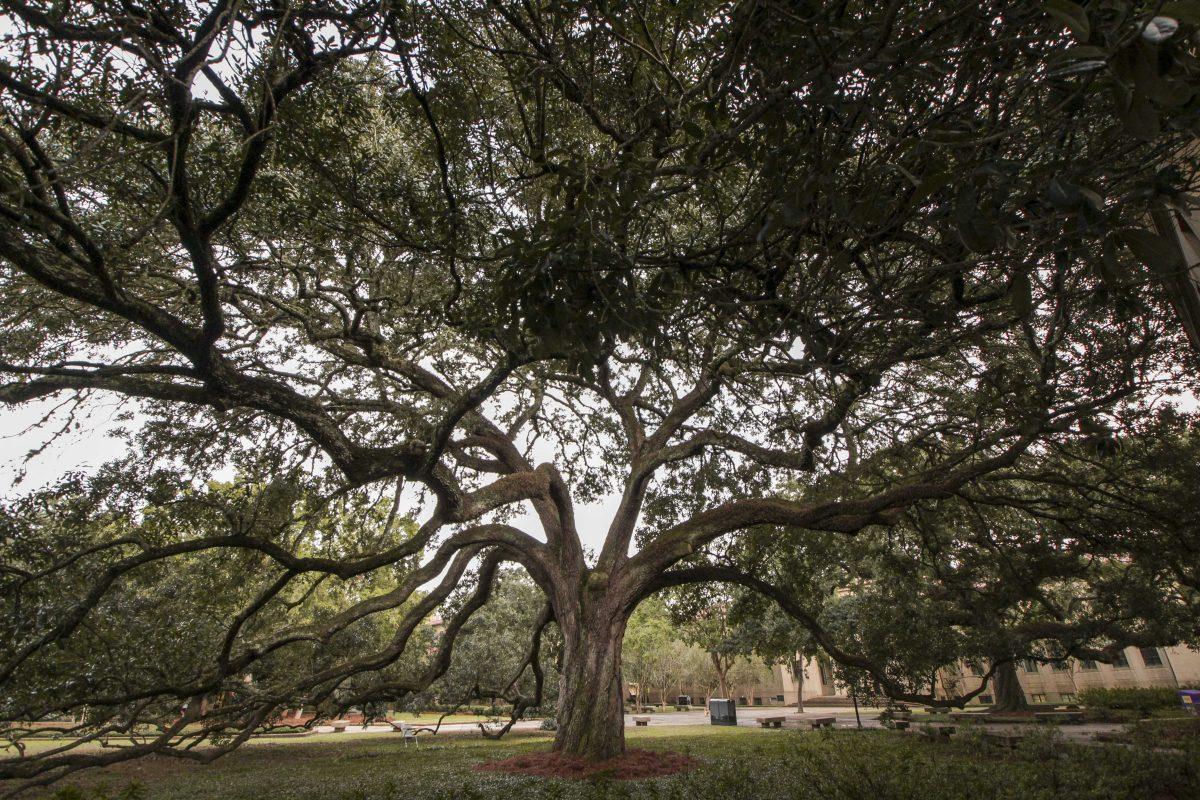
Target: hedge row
{"x": 1140, "y": 700}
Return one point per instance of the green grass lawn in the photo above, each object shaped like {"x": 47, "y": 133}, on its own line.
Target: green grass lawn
{"x": 738, "y": 763}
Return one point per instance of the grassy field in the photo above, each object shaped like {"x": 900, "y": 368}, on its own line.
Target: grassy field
{"x": 738, "y": 763}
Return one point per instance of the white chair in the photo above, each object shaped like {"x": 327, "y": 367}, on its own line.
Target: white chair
{"x": 407, "y": 731}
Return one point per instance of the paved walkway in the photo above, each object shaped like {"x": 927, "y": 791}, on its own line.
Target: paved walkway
{"x": 748, "y": 717}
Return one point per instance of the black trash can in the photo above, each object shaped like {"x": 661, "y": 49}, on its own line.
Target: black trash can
{"x": 683, "y": 700}
{"x": 722, "y": 712}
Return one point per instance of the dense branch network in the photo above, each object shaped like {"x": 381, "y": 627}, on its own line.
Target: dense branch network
{"x": 519, "y": 258}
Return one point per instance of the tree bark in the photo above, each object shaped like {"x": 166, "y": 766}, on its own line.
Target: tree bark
{"x": 722, "y": 670}
{"x": 1009, "y": 694}
{"x": 798, "y": 675}
{"x": 591, "y": 716}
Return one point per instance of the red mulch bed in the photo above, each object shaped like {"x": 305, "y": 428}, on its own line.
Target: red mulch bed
{"x": 633, "y": 765}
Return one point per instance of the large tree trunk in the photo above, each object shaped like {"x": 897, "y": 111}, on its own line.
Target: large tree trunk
{"x": 1009, "y": 694}
{"x": 798, "y": 676}
{"x": 591, "y": 716}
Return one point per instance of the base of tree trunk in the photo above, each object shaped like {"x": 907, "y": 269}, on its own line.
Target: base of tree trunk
{"x": 631, "y": 765}
{"x": 1009, "y": 696}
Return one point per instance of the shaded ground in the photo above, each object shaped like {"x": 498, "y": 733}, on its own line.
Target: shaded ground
{"x": 734, "y": 763}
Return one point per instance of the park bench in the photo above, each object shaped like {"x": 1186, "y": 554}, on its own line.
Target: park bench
{"x": 407, "y": 731}
{"x": 1060, "y": 717}
{"x": 641, "y": 722}
{"x": 809, "y": 723}
{"x": 771, "y": 722}
{"x": 340, "y": 725}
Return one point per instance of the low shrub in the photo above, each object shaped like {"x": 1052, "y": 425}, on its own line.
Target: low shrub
{"x": 1142, "y": 701}
{"x": 1166, "y": 732}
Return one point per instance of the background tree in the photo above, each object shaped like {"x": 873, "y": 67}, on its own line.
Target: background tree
{"x": 488, "y": 664}
{"x": 689, "y": 254}
{"x": 1024, "y": 565}
{"x": 649, "y": 637}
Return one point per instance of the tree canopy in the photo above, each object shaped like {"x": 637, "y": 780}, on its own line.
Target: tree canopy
{"x": 748, "y": 266}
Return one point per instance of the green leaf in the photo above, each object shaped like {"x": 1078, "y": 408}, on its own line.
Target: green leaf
{"x": 975, "y": 230}
{"x": 1020, "y": 294}
{"x": 1157, "y": 252}
{"x": 1141, "y": 120}
{"x": 1182, "y": 10}
{"x": 1070, "y": 14}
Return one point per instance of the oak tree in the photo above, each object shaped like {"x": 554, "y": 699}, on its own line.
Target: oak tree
{"x": 523, "y": 255}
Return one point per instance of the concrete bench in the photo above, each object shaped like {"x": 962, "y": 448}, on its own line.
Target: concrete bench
{"x": 771, "y": 722}
{"x": 809, "y": 723}
{"x": 641, "y": 722}
{"x": 340, "y": 725}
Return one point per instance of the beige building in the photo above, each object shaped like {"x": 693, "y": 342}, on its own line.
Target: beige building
{"x": 1171, "y": 667}
{"x": 1140, "y": 667}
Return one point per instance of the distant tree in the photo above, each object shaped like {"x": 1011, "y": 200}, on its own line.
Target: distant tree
{"x": 1088, "y": 550}
{"x": 488, "y": 664}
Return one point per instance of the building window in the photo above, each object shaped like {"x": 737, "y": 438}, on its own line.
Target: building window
{"x": 1038, "y": 698}
{"x": 1030, "y": 665}
{"x": 1119, "y": 660}
{"x": 1150, "y": 656}
{"x": 1067, "y": 697}
{"x": 1060, "y": 666}
{"x": 1088, "y": 665}
{"x": 985, "y": 699}
{"x": 826, "y": 677}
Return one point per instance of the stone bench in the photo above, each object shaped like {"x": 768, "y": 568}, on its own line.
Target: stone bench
{"x": 771, "y": 722}
{"x": 340, "y": 725}
{"x": 641, "y": 722}
{"x": 808, "y": 723}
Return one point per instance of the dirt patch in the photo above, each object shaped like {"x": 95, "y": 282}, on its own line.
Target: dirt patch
{"x": 633, "y": 765}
